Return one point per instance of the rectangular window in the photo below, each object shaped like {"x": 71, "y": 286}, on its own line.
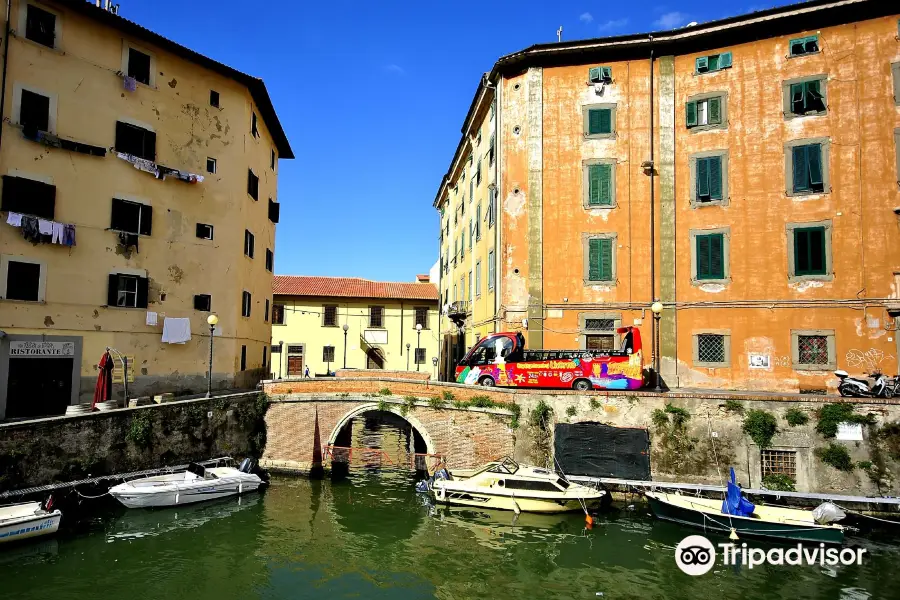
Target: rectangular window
{"x": 272, "y": 162}
{"x": 709, "y": 179}
{"x": 204, "y": 231}
{"x": 245, "y": 304}
{"x": 139, "y": 66}
{"x": 253, "y": 127}
{"x": 809, "y": 251}
{"x": 131, "y": 139}
{"x": 491, "y": 270}
{"x": 266, "y": 314}
{"x": 243, "y": 358}
{"x": 421, "y": 317}
{"x": 34, "y": 113}
{"x": 812, "y": 350}
{"x": 203, "y": 302}
{"x": 600, "y": 75}
{"x": 478, "y": 172}
{"x": 329, "y": 315}
{"x": 713, "y": 62}
{"x": 600, "y": 121}
{"x": 23, "y": 281}
{"x": 40, "y": 26}
{"x": 600, "y": 185}
{"x": 600, "y": 259}
{"x": 128, "y": 291}
{"x": 807, "y": 169}
{"x": 478, "y": 278}
{"x": 710, "y": 256}
{"x": 376, "y": 316}
{"x": 328, "y": 354}
{"x": 274, "y": 211}
{"x": 711, "y": 348}
{"x": 249, "y": 242}
{"x": 462, "y": 287}
{"x": 420, "y": 356}
{"x": 270, "y": 260}
{"x": 278, "y": 314}
{"x": 804, "y": 45}
{"x": 895, "y": 70}
{"x": 477, "y": 223}
{"x": 593, "y": 324}
{"x": 707, "y": 111}
{"x": 492, "y": 207}
{"x": 252, "y": 184}
{"x": 470, "y": 282}
{"x": 28, "y": 197}
{"x": 778, "y": 462}
{"x": 131, "y": 217}
{"x": 491, "y": 148}
{"x": 210, "y": 165}
{"x": 214, "y": 98}
{"x": 600, "y": 343}
{"x": 806, "y": 97}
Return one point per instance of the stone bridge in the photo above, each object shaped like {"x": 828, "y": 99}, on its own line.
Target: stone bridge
{"x": 300, "y": 424}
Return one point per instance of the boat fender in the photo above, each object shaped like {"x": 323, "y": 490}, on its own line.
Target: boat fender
{"x": 241, "y": 487}
{"x": 176, "y": 497}
{"x": 441, "y": 494}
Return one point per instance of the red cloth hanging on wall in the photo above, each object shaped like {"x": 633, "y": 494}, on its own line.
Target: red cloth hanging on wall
{"x": 103, "y": 391}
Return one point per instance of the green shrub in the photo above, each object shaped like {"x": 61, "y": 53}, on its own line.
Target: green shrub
{"x": 890, "y": 435}
{"x": 680, "y": 416}
{"x": 835, "y": 455}
{"x": 481, "y": 402}
{"x": 344, "y": 395}
{"x": 383, "y": 406}
{"x": 436, "y": 402}
{"x": 140, "y": 431}
{"x": 659, "y": 417}
{"x": 571, "y": 411}
{"x": 516, "y": 411}
{"x": 384, "y": 392}
{"x": 779, "y": 482}
{"x": 865, "y": 465}
{"x": 734, "y": 406}
{"x": 448, "y": 396}
{"x": 831, "y": 414}
{"x": 540, "y": 415}
{"x": 761, "y": 426}
{"x": 594, "y": 404}
{"x": 631, "y": 398}
{"x": 459, "y": 404}
{"x": 795, "y": 417}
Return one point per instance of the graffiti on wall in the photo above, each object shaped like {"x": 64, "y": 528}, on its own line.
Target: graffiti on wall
{"x": 868, "y": 360}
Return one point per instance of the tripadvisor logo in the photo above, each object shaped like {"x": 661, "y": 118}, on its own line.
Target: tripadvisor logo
{"x": 696, "y": 555}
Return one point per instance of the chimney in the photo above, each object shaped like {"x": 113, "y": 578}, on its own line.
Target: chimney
{"x": 423, "y": 279}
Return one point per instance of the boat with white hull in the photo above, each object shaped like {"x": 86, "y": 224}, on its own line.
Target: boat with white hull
{"x": 506, "y": 485}
{"x": 27, "y": 520}
{"x": 197, "y": 484}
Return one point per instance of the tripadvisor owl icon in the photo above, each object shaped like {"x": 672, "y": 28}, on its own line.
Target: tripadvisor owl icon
{"x": 695, "y": 555}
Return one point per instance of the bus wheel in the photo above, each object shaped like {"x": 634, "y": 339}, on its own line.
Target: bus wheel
{"x": 486, "y": 381}
{"x": 582, "y": 385}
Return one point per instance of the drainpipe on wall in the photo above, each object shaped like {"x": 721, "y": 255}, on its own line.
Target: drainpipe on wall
{"x": 652, "y": 172}
{"x": 5, "y": 63}
{"x": 496, "y": 206}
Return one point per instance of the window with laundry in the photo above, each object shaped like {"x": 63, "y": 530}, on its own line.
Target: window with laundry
{"x": 131, "y": 217}
{"x": 204, "y": 231}
{"x": 274, "y": 210}
{"x": 252, "y": 184}
{"x": 245, "y": 304}
{"x": 131, "y": 139}
{"x": 270, "y": 260}
{"x": 203, "y": 302}
{"x": 23, "y": 281}
{"x": 128, "y": 291}
{"x": 28, "y": 197}
{"x": 40, "y": 26}
{"x": 34, "y": 113}
{"x": 248, "y": 243}
{"x": 139, "y": 66}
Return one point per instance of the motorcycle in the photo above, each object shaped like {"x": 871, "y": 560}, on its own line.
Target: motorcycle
{"x": 883, "y": 386}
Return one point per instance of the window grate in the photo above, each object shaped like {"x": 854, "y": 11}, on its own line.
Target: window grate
{"x": 812, "y": 349}
{"x": 600, "y": 324}
{"x": 295, "y": 349}
{"x": 711, "y": 348}
{"x": 779, "y": 462}
{"x": 376, "y": 316}
{"x": 330, "y": 316}
{"x": 422, "y": 317}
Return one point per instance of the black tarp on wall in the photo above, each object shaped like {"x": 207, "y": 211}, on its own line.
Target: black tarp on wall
{"x": 598, "y": 450}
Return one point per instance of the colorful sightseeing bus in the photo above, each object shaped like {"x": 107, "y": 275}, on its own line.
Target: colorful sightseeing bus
{"x": 501, "y": 359}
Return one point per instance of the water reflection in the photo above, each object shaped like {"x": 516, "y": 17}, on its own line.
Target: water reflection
{"x": 135, "y": 524}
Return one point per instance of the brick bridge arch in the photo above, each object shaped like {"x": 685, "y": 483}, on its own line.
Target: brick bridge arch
{"x": 300, "y": 426}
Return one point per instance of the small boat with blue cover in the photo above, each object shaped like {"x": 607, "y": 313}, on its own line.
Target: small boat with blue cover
{"x": 735, "y": 515}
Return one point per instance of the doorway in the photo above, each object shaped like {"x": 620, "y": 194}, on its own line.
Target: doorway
{"x": 38, "y": 387}
{"x": 374, "y": 358}
{"x": 295, "y": 360}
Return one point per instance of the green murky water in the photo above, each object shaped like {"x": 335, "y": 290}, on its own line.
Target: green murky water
{"x": 370, "y": 536}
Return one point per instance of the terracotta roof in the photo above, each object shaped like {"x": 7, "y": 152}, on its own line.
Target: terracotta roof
{"x": 351, "y": 287}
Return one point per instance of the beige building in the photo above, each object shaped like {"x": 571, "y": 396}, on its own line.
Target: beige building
{"x": 326, "y": 323}
{"x": 139, "y": 196}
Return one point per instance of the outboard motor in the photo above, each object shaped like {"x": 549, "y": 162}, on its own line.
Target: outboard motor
{"x": 248, "y": 465}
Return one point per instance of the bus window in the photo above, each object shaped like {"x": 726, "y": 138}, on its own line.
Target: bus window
{"x": 503, "y": 346}
{"x": 627, "y": 342}
{"x": 483, "y": 356}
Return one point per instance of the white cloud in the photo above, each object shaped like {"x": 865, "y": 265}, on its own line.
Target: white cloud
{"x": 586, "y": 17}
{"x": 612, "y": 25}
{"x": 394, "y": 69}
{"x": 670, "y": 20}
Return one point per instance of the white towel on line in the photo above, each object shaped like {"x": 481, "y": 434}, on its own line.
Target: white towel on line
{"x": 14, "y": 219}
{"x": 176, "y": 330}
{"x": 151, "y": 318}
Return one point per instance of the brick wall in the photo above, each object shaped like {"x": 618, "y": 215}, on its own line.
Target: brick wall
{"x": 358, "y": 373}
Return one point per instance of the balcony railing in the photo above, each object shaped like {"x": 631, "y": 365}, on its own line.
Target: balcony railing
{"x": 460, "y": 308}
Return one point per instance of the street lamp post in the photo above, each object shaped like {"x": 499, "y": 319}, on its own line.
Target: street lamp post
{"x": 418, "y": 342}
{"x": 345, "y": 328}
{"x": 280, "y": 356}
{"x": 407, "y": 356}
{"x": 434, "y": 361}
{"x": 212, "y": 320}
{"x": 656, "y": 309}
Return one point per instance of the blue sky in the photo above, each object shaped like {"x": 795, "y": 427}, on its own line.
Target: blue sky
{"x": 372, "y": 96}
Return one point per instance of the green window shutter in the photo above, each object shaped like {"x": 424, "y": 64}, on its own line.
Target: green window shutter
{"x": 691, "y": 118}
{"x": 713, "y": 62}
{"x": 717, "y": 256}
{"x": 594, "y": 259}
{"x": 813, "y": 97}
{"x": 797, "y": 47}
{"x": 714, "y": 111}
{"x": 814, "y": 160}
{"x": 594, "y": 75}
{"x": 702, "y": 179}
{"x": 725, "y": 60}
{"x": 598, "y": 179}
{"x": 594, "y": 121}
{"x": 801, "y": 169}
{"x": 703, "y": 257}
{"x": 605, "y": 184}
{"x": 606, "y": 73}
{"x": 798, "y": 105}
{"x": 715, "y": 177}
{"x": 606, "y": 252}
{"x": 809, "y": 251}
{"x": 702, "y": 64}
{"x": 605, "y": 120}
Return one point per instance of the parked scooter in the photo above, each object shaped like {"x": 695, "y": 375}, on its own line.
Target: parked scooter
{"x": 882, "y": 387}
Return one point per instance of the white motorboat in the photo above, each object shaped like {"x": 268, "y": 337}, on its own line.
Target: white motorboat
{"x": 197, "y": 484}
{"x": 27, "y": 520}
{"x": 506, "y": 485}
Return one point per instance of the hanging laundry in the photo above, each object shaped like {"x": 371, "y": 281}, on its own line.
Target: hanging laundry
{"x": 130, "y": 83}
{"x": 68, "y": 235}
{"x": 30, "y": 229}
{"x": 126, "y": 240}
{"x": 58, "y": 229}
{"x": 159, "y": 171}
{"x": 151, "y": 318}
{"x": 182, "y": 175}
{"x": 14, "y": 219}
{"x": 50, "y": 140}
{"x": 45, "y": 227}
{"x": 176, "y": 330}
{"x": 141, "y": 164}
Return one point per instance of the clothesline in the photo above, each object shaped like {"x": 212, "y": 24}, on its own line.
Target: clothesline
{"x": 42, "y": 231}
{"x": 157, "y": 170}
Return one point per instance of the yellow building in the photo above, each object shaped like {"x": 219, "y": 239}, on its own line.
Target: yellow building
{"x": 154, "y": 170}
{"x": 326, "y": 323}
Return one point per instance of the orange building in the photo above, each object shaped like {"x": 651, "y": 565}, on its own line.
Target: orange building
{"x": 760, "y": 212}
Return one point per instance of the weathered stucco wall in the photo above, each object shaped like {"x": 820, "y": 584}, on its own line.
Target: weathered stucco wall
{"x": 61, "y": 449}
